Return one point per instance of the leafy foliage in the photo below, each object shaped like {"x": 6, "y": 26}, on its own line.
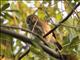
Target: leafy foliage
{"x": 15, "y": 14}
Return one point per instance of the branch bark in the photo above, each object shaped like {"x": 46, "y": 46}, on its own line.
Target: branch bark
{"x": 23, "y": 38}
{"x": 26, "y": 30}
{"x": 13, "y": 34}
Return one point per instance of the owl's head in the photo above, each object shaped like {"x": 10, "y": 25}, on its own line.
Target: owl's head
{"x": 31, "y": 19}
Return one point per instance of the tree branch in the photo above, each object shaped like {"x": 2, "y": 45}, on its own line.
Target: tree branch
{"x": 21, "y": 37}
{"x": 62, "y": 20}
{"x": 26, "y": 30}
{"x": 27, "y": 40}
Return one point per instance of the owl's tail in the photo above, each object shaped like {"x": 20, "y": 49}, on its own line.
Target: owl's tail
{"x": 58, "y": 45}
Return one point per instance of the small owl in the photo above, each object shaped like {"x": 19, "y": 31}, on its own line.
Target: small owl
{"x": 41, "y": 28}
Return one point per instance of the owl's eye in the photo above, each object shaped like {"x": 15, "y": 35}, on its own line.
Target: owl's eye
{"x": 28, "y": 20}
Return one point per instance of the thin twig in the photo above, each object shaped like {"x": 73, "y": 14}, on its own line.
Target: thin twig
{"x": 74, "y": 11}
{"x": 24, "y": 54}
{"x": 34, "y": 25}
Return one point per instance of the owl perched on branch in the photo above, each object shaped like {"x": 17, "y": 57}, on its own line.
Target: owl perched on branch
{"x": 41, "y": 28}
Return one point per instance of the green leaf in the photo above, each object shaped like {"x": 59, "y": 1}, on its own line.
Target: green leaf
{"x": 6, "y": 44}
{"x": 72, "y": 45}
{"x": 51, "y": 11}
{"x": 37, "y": 3}
{"x": 59, "y": 17}
{"x": 76, "y": 0}
{"x": 12, "y": 10}
{"x": 75, "y": 41}
{"x": 6, "y": 15}
{"x": 4, "y": 36}
{"x": 41, "y": 14}
{"x": 5, "y": 6}
{"x": 3, "y": 2}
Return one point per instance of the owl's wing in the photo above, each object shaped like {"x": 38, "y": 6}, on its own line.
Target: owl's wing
{"x": 38, "y": 30}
